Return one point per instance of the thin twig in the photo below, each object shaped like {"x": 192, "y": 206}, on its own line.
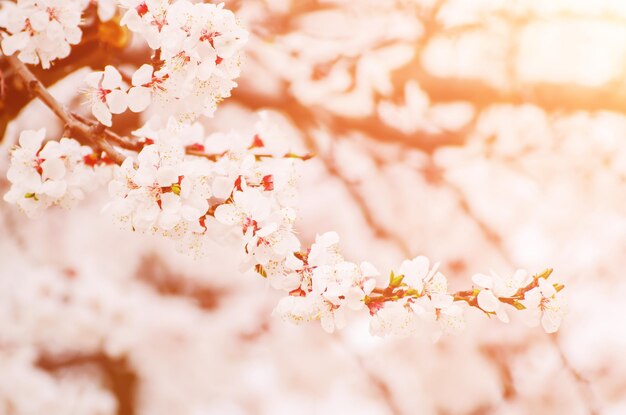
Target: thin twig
{"x": 93, "y": 133}
{"x": 122, "y": 141}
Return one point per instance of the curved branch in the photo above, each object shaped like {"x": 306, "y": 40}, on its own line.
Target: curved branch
{"x": 86, "y": 132}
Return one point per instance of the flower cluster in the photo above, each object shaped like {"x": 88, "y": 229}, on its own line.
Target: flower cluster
{"x": 247, "y": 184}
{"x": 423, "y": 295}
{"x": 322, "y": 286}
{"x": 542, "y": 304}
{"x": 41, "y": 30}
{"x": 162, "y": 190}
{"x": 59, "y": 173}
{"x": 181, "y": 181}
{"x": 198, "y": 47}
{"x": 186, "y": 186}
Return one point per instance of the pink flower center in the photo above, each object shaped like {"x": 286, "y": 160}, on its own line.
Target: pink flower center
{"x": 102, "y": 94}
{"x": 209, "y": 36}
{"x": 142, "y": 9}
{"x": 268, "y": 182}
{"x": 250, "y": 223}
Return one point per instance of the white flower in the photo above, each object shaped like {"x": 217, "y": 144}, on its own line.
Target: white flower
{"x": 501, "y": 286}
{"x": 200, "y": 45}
{"x": 333, "y": 281}
{"x": 161, "y": 191}
{"x": 394, "y": 319}
{"x": 544, "y": 305}
{"x": 296, "y": 309}
{"x": 105, "y": 94}
{"x": 30, "y": 142}
{"x": 416, "y": 271}
{"x": 282, "y": 273}
{"x": 152, "y": 171}
{"x": 144, "y": 82}
{"x": 331, "y": 318}
{"x": 248, "y": 209}
{"x": 54, "y": 174}
{"x": 146, "y": 18}
{"x": 41, "y": 30}
{"x": 495, "y": 286}
{"x": 422, "y": 278}
{"x": 363, "y": 286}
{"x": 325, "y": 250}
{"x": 274, "y": 240}
{"x": 311, "y": 307}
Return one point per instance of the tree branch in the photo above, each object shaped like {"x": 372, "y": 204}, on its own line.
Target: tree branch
{"x": 90, "y": 132}
{"x": 87, "y": 132}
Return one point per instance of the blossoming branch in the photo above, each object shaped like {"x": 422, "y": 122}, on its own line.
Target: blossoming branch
{"x": 172, "y": 179}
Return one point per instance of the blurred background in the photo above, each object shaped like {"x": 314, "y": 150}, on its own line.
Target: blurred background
{"x": 488, "y": 135}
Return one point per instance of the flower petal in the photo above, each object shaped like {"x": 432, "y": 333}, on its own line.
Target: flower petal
{"x": 11, "y": 44}
{"x": 441, "y": 300}
{"x": 483, "y": 281}
{"x": 112, "y": 78}
{"x": 222, "y": 187}
{"x": 487, "y": 301}
{"x": 166, "y": 175}
{"x": 502, "y": 315}
{"x": 55, "y": 189}
{"x": 547, "y": 289}
{"x": 31, "y": 139}
{"x": 93, "y": 79}
{"x": 53, "y": 169}
{"x": 170, "y": 202}
{"x": 116, "y": 100}
{"x": 550, "y": 321}
{"x": 102, "y": 113}
{"x": 143, "y": 75}
{"x": 139, "y": 98}
{"x": 227, "y": 214}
